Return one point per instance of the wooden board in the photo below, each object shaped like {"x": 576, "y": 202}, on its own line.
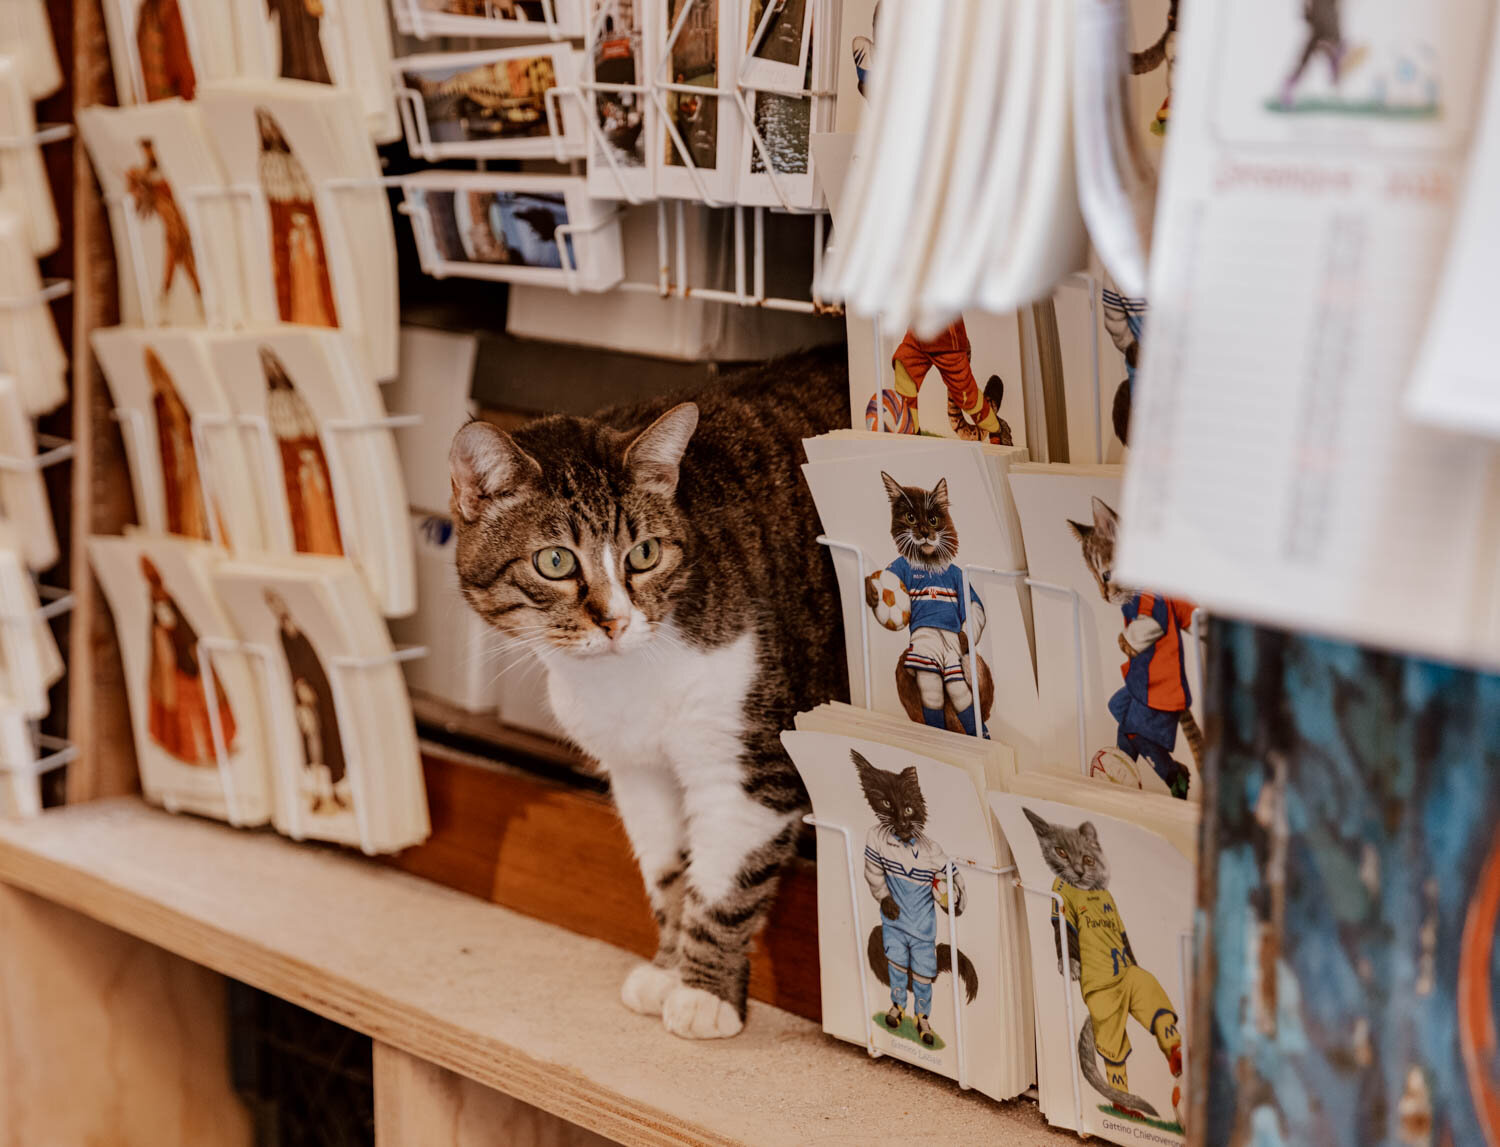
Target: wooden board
{"x": 107, "y": 1040}
{"x": 505, "y": 834}
{"x": 515, "y": 1004}
{"x": 417, "y": 1102}
{"x": 102, "y": 503}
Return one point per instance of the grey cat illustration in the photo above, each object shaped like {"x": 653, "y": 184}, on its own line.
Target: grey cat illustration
{"x": 1100, "y": 958}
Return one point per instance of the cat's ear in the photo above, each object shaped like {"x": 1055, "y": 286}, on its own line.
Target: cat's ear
{"x": 1043, "y": 829}
{"x": 861, "y": 766}
{"x": 656, "y": 454}
{"x": 893, "y": 489}
{"x": 1089, "y": 832}
{"x": 909, "y": 777}
{"x": 1080, "y": 531}
{"x": 940, "y": 494}
{"x": 487, "y": 466}
{"x": 1106, "y": 521}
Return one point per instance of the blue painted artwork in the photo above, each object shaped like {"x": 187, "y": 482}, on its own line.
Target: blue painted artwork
{"x": 1352, "y": 872}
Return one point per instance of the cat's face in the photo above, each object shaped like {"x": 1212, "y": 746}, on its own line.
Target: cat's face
{"x": 1098, "y": 542}
{"x": 895, "y": 798}
{"x": 921, "y": 525}
{"x": 570, "y": 539}
{"x": 1073, "y": 854}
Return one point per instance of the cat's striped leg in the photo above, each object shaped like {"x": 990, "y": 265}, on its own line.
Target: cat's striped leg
{"x": 649, "y": 801}
{"x": 743, "y": 822}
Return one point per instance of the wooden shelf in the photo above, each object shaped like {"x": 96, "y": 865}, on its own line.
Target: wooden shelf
{"x": 515, "y": 1004}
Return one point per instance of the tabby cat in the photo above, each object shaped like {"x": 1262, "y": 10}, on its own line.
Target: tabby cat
{"x": 662, "y": 562}
{"x": 1100, "y": 958}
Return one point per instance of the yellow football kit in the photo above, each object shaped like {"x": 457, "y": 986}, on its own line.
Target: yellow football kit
{"x": 1113, "y": 985}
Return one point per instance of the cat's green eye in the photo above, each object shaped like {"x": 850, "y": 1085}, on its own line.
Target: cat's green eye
{"x": 911, "y": 518}
{"x": 644, "y": 555}
{"x": 554, "y": 562}
{"x": 908, "y": 812}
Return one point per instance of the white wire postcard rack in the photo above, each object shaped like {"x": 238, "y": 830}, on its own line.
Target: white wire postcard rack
{"x": 1064, "y": 978}
{"x": 526, "y": 19}
{"x": 23, "y": 777}
{"x": 338, "y": 430}
{"x": 343, "y": 669}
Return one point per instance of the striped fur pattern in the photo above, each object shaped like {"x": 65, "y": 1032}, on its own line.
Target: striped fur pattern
{"x": 676, "y": 666}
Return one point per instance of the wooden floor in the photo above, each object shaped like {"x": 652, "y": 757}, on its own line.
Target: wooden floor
{"x": 520, "y": 1006}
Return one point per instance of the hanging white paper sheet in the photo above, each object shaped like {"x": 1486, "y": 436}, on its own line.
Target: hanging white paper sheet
{"x": 1299, "y": 235}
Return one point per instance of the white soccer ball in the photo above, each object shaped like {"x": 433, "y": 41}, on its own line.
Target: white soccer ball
{"x": 892, "y": 602}
{"x": 1116, "y": 767}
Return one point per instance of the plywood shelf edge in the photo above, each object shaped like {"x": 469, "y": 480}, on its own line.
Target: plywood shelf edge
{"x": 515, "y": 1004}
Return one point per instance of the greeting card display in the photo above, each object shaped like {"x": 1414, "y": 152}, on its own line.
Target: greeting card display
{"x": 195, "y": 705}
{"x": 163, "y": 49}
{"x": 962, "y": 382}
{"x": 30, "y": 349}
{"x": 194, "y": 485}
{"x": 24, "y": 188}
{"x": 346, "y": 43}
{"x": 907, "y": 523}
{"x": 618, "y": 54}
{"x": 344, "y": 758}
{"x": 1109, "y": 907}
{"x": 329, "y": 476}
{"x": 20, "y": 789}
{"x": 174, "y": 225}
{"x": 933, "y": 941}
{"x": 23, "y": 491}
{"x": 1140, "y": 675}
{"x": 698, "y": 132}
{"x": 491, "y": 19}
{"x": 493, "y": 103}
{"x": 30, "y": 661}
{"x": 541, "y": 230}
{"x": 26, "y": 37}
{"x": 788, "y": 47}
{"x": 318, "y": 241}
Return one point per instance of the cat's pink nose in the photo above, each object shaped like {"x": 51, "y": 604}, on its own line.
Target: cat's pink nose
{"x": 614, "y": 626}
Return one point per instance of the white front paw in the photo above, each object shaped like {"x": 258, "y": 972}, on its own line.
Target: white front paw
{"x": 693, "y": 1013}
{"x": 647, "y": 987}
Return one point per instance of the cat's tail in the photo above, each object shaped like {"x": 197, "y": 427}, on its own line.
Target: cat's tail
{"x": 1194, "y": 736}
{"x": 875, "y": 950}
{"x": 1088, "y": 1060}
{"x": 878, "y": 963}
{"x": 966, "y": 971}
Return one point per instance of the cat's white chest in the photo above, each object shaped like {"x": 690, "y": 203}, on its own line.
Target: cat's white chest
{"x": 647, "y": 705}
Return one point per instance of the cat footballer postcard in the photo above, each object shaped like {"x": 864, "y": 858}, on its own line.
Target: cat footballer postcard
{"x": 928, "y": 988}
{"x": 1130, "y": 711}
{"x": 908, "y": 523}
{"x": 1109, "y": 907}
{"x": 963, "y": 382}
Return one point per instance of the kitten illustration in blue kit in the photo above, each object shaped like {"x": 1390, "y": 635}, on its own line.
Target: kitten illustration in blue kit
{"x": 1114, "y": 987}
{"x": 933, "y": 674}
{"x": 907, "y": 873}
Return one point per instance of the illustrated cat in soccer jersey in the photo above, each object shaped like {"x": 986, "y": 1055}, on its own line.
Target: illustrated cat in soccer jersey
{"x": 1154, "y": 699}
{"x": 933, "y": 674}
{"x": 1114, "y": 987}
{"x": 907, "y": 872}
